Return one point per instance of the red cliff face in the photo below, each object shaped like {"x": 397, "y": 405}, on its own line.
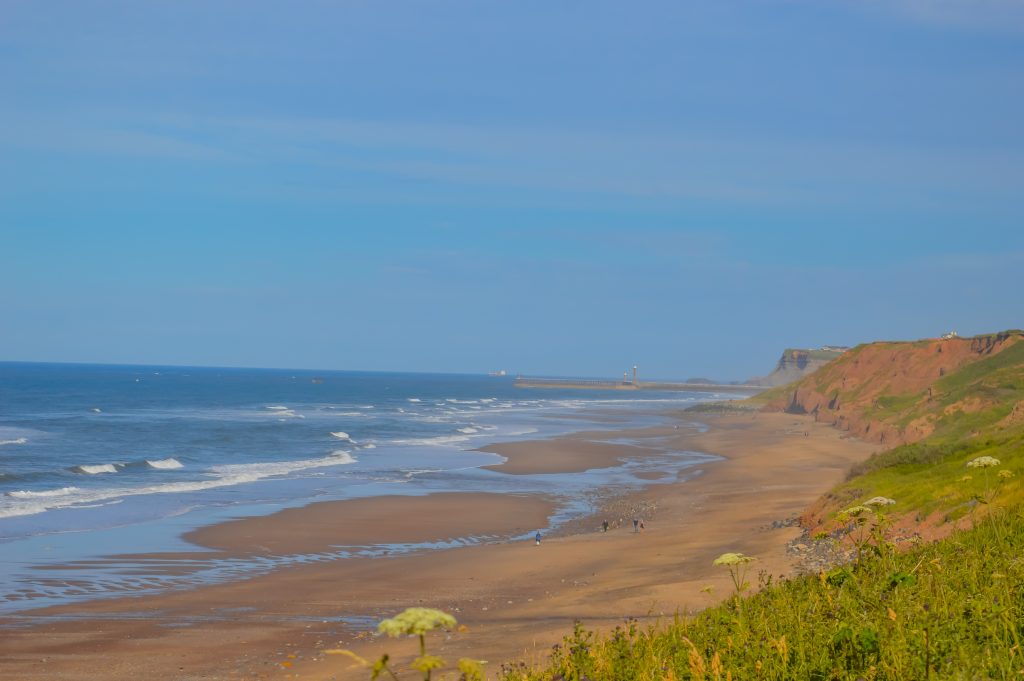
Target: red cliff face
{"x": 858, "y": 391}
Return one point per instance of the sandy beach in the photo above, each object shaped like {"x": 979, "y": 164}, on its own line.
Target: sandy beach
{"x": 516, "y": 599}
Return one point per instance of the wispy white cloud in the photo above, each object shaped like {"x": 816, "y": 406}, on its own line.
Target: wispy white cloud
{"x": 661, "y": 164}
{"x": 66, "y": 135}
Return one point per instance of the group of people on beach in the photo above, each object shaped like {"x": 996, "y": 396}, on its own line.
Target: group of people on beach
{"x": 638, "y": 527}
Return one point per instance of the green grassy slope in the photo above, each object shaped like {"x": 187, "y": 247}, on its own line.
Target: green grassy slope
{"x": 972, "y": 412}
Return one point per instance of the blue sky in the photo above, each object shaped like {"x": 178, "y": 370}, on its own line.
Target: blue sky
{"x": 558, "y": 188}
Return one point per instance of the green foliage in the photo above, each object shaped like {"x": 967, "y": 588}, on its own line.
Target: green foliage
{"x": 918, "y": 453}
{"x": 952, "y": 610}
{"x": 929, "y": 477}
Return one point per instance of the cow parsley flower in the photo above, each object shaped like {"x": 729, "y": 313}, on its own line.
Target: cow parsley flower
{"x": 1005, "y": 474}
{"x": 855, "y": 511}
{"x": 879, "y": 501}
{"x": 733, "y": 559}
{"x": 983, "y": 462}
{"x": 416, "y": 621}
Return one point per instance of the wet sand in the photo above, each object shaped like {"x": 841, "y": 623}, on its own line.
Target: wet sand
{"x": 572, "y": 454}
{"x": 517, "y": 599}
{"x": 379, "y": 520}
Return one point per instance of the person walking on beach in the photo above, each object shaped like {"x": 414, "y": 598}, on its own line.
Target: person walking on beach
{"x": 636, "y": 522}
{"x": 537, "y": 537}
{"x": 641, "y": 526}
{"x": 605, "y": 525}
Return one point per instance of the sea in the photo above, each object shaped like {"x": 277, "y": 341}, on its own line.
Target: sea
{"x": 99, "y": 463}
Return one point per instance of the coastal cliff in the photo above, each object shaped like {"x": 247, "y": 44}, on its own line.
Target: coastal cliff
{"x": 796, "y": 363}
{"x": 901, "y": 392}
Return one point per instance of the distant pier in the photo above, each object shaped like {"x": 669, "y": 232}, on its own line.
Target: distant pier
{"x": 600, "y": 384}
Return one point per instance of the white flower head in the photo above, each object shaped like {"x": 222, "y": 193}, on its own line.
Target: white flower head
{"x": 733, "y": 559}
{"x": 416, "y": 621}
{"x": 880, "y": 501}
{"x": 855, "y": 511}
{"x": 983, "y": 462}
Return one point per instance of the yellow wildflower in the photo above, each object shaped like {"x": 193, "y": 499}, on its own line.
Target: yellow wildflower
{"x": 696, "y": 663}
{"x": 427, "y": 663}
{"x": 716, "y": 665}
{"x": 1006, "y": 474}
{"x": 781, "y": 646}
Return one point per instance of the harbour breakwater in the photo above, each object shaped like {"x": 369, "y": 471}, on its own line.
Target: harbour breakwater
{"x": 601, "y": 384}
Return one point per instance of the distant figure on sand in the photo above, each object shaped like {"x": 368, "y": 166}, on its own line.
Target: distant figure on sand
{"x": 605, "y": 525}
{"x": 636, "y": 522}
{"x": 641, "y": 526}
{"x": 537, "y": 537}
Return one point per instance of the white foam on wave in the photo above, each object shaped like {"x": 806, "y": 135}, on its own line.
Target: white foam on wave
{"x": 30, "y": 503}
{"x": 415, "y": 399}
{"x": 42, "y": 494}
{"x": 468, "y": 431}
{"x": 343, "y": 456}
{"x": 95, "y": 469}
{"x": 282, "y": 412}
{"x": 370, "y": 446}
{"x": 15, "y": 441}
{"x": 440, "y": 441}
{"x": 113, "y": 502}
{"x": 342, "y": 435}
{"x": 165, "y": 464}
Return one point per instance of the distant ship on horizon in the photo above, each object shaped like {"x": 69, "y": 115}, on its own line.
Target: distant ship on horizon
{"x": 499, "y": 372}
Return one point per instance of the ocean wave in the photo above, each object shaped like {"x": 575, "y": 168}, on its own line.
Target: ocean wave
{"x": 468, "y": 431}
{"x": 30, "y": 502}
{"x": 164, "y": 464}
{"x": 341, "y": 435}
{"x": 415, "y": 399}
{"x": 15, "y": 441}
{"x": 42, "y": 494}
{"x": 95, "y": 469}
{"x": 440, "y": 441}
{"x": 237, "y": 473}
{"x": 282, "y": 412}
{"x": 112, "y": 502}
{"x": 370, "y": 446}
{"x": 343, "y": 456}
